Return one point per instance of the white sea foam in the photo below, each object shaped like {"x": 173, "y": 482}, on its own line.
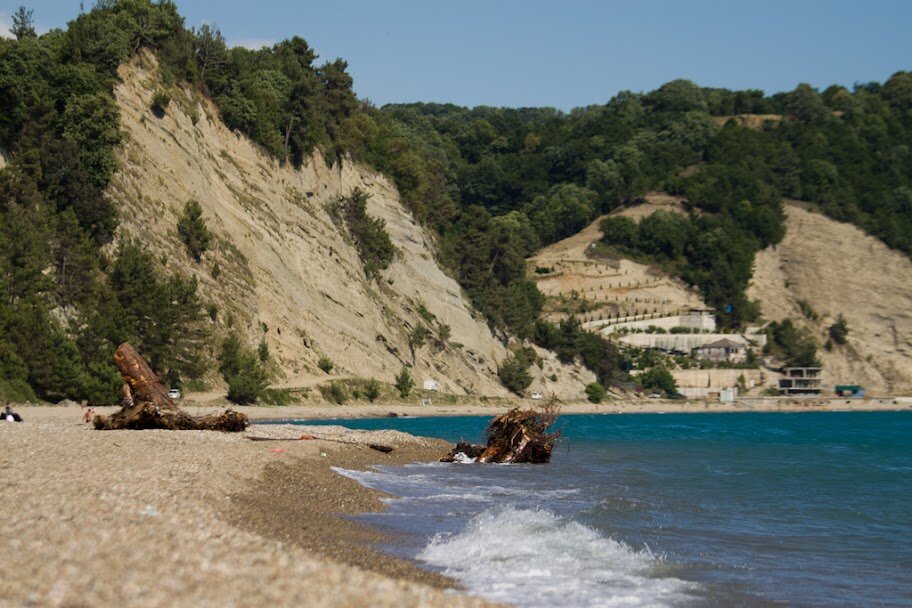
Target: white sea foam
{"x": 535, "y": 558}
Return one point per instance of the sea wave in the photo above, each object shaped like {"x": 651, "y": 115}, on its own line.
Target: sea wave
{"x": 533, "y": 557}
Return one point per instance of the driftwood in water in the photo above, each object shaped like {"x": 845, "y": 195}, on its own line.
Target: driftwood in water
{"x": 147, "y": 405}
{"x": 517, "y": 436}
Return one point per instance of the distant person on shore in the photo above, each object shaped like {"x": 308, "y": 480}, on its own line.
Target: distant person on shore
{"x": 10, "y": 416}
{"x": 89, "y": 415}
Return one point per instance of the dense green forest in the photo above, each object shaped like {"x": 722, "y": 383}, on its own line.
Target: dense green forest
{"x": 495, "y": 184}
{"x": 511, "y": 180}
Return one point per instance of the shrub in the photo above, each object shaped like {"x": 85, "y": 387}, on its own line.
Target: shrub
{"x": 418, "y": 336}
{"x": 16, "y": 390}
{"x": 839, "y": 331}
{"x": 514, "y": 374}
{"x": 620, "y": 231}
{"x": 242, "y": 370}
{"x": 807, "y": 311}
{"x": 334, "y": 392}
{"x": 195, "y": 386}
{"x": 404, "y": 383}
{"x": 247, "y": 385}
{"x": 372, "y": 390}
{"x": 160, "y": 102}
{"x": 658, "y": 378}
{"x": 369, "y": 233}
{"x": 263, "y": 351}
{"x": 278, "y": 396}
{"x": 100, "y": 385}
{"x": 595, "y": 392}
{"x": 791, "y": 344}
{"x": 325, "y": 364}
{"x": 426, "y": 314}
{"x": 192, "y": 230}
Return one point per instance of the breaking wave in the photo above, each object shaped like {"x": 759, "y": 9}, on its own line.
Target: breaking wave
{"x": 536, "y": 558}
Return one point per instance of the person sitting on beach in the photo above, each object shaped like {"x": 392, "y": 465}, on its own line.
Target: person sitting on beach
{"x": 89, "y": 414}
{"x": 10, "y": 416}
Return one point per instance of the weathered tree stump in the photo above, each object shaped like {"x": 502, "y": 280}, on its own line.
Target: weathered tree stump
{"x": 515, "y": 437}
{"x": 150, "y": 406}
{"x": 143, "y": 382}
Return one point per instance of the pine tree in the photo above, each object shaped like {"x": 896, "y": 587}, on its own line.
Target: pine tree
{"x": 23, "y": 24}
{"x": 193, "y": 231}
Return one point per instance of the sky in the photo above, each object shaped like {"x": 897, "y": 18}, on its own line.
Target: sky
{"x": 562, "y": 54}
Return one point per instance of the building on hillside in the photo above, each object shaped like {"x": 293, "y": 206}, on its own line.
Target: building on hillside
{"x": 800, "y": 381}
{"x": 725, "y": 349}
{"x": 728, "y": 395}
{"x": 684, "y": 344}
{"x": 698, "y": 319}
{"x": 694, "y": 320}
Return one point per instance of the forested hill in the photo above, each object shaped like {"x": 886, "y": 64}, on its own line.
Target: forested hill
{"x": 495, "y": 184}
{"x": 528, "y": 177}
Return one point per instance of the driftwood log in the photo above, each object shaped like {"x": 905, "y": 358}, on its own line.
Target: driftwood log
{"x": 147, "y": 405}
{"x": 515, "y": 437}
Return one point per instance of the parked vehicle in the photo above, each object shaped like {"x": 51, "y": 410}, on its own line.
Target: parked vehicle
{"x": 174, "y": 393}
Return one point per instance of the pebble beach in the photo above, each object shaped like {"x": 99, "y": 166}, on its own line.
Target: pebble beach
{"x": 190, "y": 518}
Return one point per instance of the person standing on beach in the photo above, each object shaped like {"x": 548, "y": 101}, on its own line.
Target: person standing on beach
{"x": 126, "y": 398}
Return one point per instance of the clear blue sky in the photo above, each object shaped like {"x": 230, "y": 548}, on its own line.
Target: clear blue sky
{"x": 568, "y": 53}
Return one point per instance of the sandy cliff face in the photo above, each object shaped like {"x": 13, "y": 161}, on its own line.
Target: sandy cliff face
{"x": 836, "y": 268}
{"x": 279, "y": 268}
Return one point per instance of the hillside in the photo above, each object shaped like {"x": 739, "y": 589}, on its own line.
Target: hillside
{"x": 836, "y": 268}
{"x": 580, "y": 280}
{"x": 280, "y": 267}
{"x": 268, "y": 140}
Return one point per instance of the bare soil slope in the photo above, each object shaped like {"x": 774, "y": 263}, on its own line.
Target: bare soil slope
{"x": 581, "y": 281}
{"x": 280, "y": 269}
{"x": 836, "y": 268}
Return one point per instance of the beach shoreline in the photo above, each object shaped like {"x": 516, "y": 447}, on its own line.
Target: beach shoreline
{"x": 322, "y": 410}
{"x": 190, "y": 518}
{"x": 199, "y": 518}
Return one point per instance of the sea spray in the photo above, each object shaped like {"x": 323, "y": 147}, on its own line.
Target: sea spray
{"x": 533, "y": 557}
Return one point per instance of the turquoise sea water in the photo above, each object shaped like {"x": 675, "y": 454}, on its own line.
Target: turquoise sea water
{"x": 809, "y": 509}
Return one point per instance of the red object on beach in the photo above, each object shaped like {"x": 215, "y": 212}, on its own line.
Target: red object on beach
{"x": 276, "y": 450}
{"x": 305, "y": 437}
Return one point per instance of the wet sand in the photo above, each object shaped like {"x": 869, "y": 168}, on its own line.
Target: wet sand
{"x": 302, "y": 503}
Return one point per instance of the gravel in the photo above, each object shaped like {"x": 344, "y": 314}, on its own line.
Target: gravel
{"x": 196, "y": 518}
